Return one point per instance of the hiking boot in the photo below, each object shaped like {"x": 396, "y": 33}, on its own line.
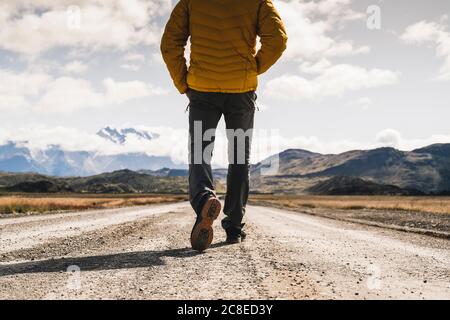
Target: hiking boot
{"x": 202, "y": 232}
{"x": 235, "y": 235}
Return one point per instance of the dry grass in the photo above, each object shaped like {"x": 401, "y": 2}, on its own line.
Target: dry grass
{"x": 47, "y": 203}
{"x": 439, "y": 205}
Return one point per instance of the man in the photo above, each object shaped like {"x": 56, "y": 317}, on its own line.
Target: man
{"x": 221, "y": 80}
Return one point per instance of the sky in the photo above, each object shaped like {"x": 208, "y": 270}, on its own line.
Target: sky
{"x": 356, "y": 75}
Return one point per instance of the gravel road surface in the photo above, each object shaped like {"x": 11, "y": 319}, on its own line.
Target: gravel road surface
{"x": 144, "y": 253}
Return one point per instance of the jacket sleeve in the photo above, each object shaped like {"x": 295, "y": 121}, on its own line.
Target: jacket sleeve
{"x": 173, "y": 44}
{"x": 272, "y": 34}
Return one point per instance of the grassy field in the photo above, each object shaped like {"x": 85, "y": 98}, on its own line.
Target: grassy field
{"x": 439, "y": 205}
{"x": 44, "y": 203}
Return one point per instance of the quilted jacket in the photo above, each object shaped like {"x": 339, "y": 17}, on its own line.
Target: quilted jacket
{"x": 223, "y": 33}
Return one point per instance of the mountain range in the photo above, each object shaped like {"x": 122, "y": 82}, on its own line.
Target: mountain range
{"x": 117, "y": 182}
{"x": 16, "y": 156}
{"x": 425, "y": 170}
{"x": 122, "y": 181}
{"x": 121, "y": 135}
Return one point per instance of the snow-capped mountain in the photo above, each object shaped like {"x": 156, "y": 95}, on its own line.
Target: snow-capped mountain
{"x": 120, "y": 136}
{"x": 17, "y": 156}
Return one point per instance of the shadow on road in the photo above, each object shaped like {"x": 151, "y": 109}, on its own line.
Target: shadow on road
{"x": 125, "y": 260}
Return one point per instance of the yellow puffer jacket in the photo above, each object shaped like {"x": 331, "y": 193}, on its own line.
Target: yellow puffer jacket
{"x": 223, "y": 43}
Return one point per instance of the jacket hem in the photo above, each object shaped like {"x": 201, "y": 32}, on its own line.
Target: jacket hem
{"x": 223, "y": 90}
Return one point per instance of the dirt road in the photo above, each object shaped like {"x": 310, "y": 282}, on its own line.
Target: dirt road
{"x": 143, "y": 253}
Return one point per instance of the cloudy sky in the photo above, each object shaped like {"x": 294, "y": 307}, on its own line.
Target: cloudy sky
{"x": 356, "y": 74}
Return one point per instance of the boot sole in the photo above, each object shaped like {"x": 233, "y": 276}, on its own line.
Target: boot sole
{"x": 202, "y": 233}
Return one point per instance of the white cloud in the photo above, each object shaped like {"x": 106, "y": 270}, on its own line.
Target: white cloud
{"x": 309, "y": 24}
{"x": 33, "y": 27}
{"x": 41, "y": 137}
{"x": 332, "y": 10}
{"x": 44, "y": 93}
{"x": 435, "y": 33}
{"x": 393, "y": 138}
{"x": 119, "y": 92}
{"x": 335, "y": 80}
{"x": 17, "y": 88}
{"x": 67, "y": 94}
{"x": 421, "y": 32}
{"x": 389, "y": 138}
{"x": 315, "y": 67}
{"x": 384, "y": 138}
{"x": 156, "y": 59}
{"x": 132, "y": 61}
{"x": 75, "y": 67}
{"x": 129, "y": 66}
{"x": 134, "y": 57}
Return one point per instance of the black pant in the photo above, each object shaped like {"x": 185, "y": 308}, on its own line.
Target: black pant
{"x": 205, "y": 110}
